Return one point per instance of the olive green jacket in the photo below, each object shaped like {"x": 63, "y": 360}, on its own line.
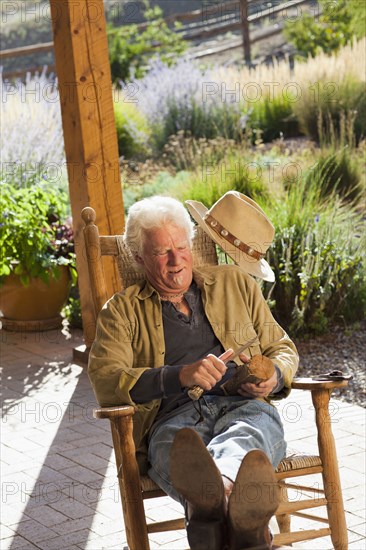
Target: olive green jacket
{"x": 130, "y": 336}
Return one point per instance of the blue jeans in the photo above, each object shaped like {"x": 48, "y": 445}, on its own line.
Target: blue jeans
{"x": 229, "y": 426}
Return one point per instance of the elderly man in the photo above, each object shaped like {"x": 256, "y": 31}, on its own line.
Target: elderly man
{"x": 179, "y": 329}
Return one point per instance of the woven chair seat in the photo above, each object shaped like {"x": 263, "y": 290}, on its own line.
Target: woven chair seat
{"x": 296, "y": 461}
{"x": 147, "y": 484}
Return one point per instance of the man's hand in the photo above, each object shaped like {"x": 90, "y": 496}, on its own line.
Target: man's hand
{"x": 206, "y": 372}
{"x": 264, "y": 389}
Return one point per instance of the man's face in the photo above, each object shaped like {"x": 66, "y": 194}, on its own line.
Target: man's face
{"x": 167, "y": 259}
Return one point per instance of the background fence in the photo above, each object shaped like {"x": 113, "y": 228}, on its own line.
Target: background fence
{"x": 237, "y": 24}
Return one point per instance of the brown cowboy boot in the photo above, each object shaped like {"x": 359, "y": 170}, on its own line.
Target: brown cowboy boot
{"x": 194, "y": 475}
{"x": 253, "y": 501}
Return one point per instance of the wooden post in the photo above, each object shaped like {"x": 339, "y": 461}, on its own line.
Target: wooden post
{"x": 245, "y": 30}
{"x": 85, "y": 87}
{"x": 332, "y": 482}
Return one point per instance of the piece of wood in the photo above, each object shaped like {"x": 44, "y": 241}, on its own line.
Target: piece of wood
{"x": 310, "y": 517}
{"x": 305, "y": 488}
{"x": 290, "y": 507}
{"x": 114, "y": 412}
{"x": 258, "y": 369}
{"x": 169, "y": 525}
{"x": 245, "y": 30}
{"x": 93, "y": 254}
{"x": 299, "y": 472}
{"x": 26, "y": 50}
{"x": 283, "y": 519}
{"x": 117, "y": 446}
{"x": 108, "y": 245}
{"x": 310, "y": 384}
{"x": 85, "y": 87}
{"x": 298, "y": 536}
{"x": 331, "y": 479}
{"x": 130, "y": 485}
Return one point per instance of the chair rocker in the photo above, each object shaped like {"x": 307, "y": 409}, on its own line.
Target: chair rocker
{"x": 135, "y": 488}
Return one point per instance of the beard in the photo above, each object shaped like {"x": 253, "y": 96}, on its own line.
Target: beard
{"x": 178, "y": 279}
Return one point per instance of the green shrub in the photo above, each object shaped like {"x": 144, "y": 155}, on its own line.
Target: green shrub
{"x": 209, "y": 182}
{"x": 324, "y": 107}
{"x": 184, "y": 152}
{"x": 358, "y": 23}
{"x": 316, "y": 271}
{"x": 132, "y": 130}
{"x": 335, "y": 26}
{"x": 318, "y": 260}
{"x": 163, "y": 184}
{"x": 273, "y": 117}
{"x": 131, "y": 49}
{"x": 72, "y": 309}
{"x": 34, "y": 238}
{"x": 336, "y": 172}
{"x": 198, "y": 120}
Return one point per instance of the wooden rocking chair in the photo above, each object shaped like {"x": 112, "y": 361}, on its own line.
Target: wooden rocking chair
{"x": 135, "y": 488}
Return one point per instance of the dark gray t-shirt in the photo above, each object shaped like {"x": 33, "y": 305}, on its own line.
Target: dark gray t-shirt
{"x": 187, "y": 339}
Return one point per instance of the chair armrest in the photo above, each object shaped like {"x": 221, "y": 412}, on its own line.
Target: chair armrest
{"x": 310, "y": 384}
{"x": 114, "y": 412}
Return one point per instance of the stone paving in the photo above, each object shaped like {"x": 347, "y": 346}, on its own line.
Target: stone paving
{"x": 59, "y": 486}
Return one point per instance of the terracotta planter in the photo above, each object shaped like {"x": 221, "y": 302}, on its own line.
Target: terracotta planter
{"x": 36, "y": 306}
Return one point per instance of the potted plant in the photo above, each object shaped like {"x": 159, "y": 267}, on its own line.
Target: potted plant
{"x": 37, "y": 260}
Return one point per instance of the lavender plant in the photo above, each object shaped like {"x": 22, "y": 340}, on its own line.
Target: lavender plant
{"x": 184, "y": 97}
{"x": 31, "y": 139}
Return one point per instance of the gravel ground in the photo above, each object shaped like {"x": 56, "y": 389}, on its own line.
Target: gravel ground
{"x": 342, "y": 349}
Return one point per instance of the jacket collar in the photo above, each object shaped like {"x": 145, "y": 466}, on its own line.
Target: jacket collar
{"x": 146, "y": 290}
{"x": 204, "y": 276}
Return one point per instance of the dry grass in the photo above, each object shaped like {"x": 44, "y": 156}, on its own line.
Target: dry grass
{"x": 349, "y": 62}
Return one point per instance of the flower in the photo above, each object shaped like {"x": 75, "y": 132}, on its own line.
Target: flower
{"x": 63, "y": 244}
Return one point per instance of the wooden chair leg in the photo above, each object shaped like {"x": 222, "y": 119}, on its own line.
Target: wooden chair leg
{"x": 283, "y": 520}
{"x": 132, "y": 501}
{"x": 331, "y": 479}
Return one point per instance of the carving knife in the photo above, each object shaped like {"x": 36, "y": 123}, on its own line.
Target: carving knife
{"x": 195, "y": 392}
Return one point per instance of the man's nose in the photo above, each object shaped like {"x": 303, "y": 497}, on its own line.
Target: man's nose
{"x": 174, "y": 256}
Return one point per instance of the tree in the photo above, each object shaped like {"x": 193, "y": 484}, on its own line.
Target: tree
{"x": 339, "y": 22}
{"x": 131, "y": 49}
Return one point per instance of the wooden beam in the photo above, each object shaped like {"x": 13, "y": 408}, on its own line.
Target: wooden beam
{"x": 85, "y": 87}
{"x": 245, "y": 30}
{"x": 27, "y": 50}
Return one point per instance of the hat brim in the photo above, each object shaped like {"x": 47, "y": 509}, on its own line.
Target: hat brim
{"x": 258, "y": 268}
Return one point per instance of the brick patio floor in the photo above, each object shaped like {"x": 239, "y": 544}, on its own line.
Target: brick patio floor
{"x": 59, "y": 486}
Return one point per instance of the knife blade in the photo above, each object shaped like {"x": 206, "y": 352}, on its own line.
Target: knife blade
{"x": 195, "y": 392}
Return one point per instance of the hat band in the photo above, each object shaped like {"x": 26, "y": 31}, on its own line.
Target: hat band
{"x": 224, "y": 233}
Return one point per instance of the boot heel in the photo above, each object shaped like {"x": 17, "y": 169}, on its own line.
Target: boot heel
{"x": 205, "y": 535}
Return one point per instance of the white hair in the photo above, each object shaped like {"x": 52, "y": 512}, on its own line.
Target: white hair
{"x": 153, "y": 213}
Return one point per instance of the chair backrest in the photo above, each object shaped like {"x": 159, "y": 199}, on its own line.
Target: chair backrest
{"x": 96, "y": 246}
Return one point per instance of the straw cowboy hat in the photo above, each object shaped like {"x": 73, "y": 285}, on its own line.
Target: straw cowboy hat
{"x": 241, "y": 228}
